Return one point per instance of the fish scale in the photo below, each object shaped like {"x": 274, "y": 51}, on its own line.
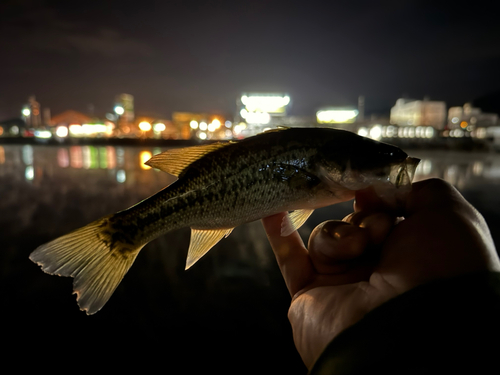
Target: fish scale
{"x": 219, "y": 187}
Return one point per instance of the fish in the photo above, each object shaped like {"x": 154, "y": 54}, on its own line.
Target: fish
{"x": 220, "y": 186}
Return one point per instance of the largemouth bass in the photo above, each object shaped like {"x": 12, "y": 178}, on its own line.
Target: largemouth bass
{"x": 219, "y": 187}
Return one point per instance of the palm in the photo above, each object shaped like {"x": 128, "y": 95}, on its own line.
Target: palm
{"x": 350, "y": 268}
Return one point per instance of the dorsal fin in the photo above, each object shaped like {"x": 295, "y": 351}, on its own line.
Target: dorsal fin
{"x": 178, "y": 159}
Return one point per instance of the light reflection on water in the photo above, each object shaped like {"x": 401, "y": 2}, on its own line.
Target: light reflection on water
{"x": 235, "y": 294}
{"x": 455, "y": 167}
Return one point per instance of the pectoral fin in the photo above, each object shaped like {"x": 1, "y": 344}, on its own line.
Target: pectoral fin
{"x": 294, "y": 221}
{"x": 202, "y": 241}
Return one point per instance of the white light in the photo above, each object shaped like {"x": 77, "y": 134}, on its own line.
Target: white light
{"x": 202, "y": 135}
{"x": 121, "y": 176}
{"x": 75, "y": 129}
{"x": 376, "y": 132}
{"x": 45, "y": 134}
{"x": 29, "y": 173}
{"x": 336, "y": 116}
{"x": 193, "y": 124}
{"x": 203, "y": 126}
{"x": 26, "y": 112}
{"x": 265, "y": 103}
{"x": 481, "y": 133}
{"x": 411, "y": 132}
{"x": 159, "y": 127}
{"x": 91, "y": 128}
{"x": 211, "y": 127}
{"x": 429, "y": 132}
{"x": 216, "y": 123}
{"x": 455, "y": 120}
{"x": 243, "y": 113}
{"x": 238, "y": 128}
{"x": 261, "y": 118}
{"x": 119, "y": 110}
{"x": 228, "y": 124}
{"x": 145, "y": 126}
{"x": 62, "y": 131}
{"x": 363, "y": 132}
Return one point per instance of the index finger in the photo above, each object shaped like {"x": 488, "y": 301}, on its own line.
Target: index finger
{"x": 291, "y": 254}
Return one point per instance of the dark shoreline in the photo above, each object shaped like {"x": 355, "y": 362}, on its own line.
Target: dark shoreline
{"x": 456, "y": 144}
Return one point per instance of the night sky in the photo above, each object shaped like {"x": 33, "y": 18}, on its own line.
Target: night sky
{"x": 200, "y": 55}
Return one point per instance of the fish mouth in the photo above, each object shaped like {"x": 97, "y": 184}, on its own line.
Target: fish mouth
{"x": 402, "y": 174}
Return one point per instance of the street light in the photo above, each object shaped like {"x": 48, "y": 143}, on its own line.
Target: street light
{"x": 145, "y": 126}
{"x": 26, "y": 113}
{"x": 119, "y": 110}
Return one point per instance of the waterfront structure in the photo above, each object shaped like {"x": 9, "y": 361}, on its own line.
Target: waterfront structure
{"x": 124, "y": 108}
{"x": 469, "y": 117}
{"x": 337, "y": 115}
{"x": 201, "y": 125}
{"x": 419, "y": 113}
{"x": 31, "y": 113}
{"x": 70, "y": 117}
{"x": 259, "y": 111}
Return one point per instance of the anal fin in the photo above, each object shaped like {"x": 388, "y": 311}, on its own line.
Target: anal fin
{"x": 294, "y": 221}
{"x": 202, "y": 240}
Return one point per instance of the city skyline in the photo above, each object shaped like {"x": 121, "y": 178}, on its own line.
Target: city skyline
{"x": 200, "y": 56}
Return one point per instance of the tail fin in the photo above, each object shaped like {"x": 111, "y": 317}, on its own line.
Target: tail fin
{"x": 93, "y": 257}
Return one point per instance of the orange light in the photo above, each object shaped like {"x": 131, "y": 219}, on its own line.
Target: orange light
{"x": 463, "y": 124}
{"x": 145, "y": 156}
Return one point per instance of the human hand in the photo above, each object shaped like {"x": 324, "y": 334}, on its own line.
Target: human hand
{"x": 355, "y": 265}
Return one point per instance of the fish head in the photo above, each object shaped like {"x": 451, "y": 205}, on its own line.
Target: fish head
{"x": 357, "y": 162}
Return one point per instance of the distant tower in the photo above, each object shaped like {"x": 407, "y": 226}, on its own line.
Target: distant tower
{"x": 46, "y": 116}
{"x": 31, "y": 113}
{"x": 125, "y": 101}
{"x": 361, "y": 108}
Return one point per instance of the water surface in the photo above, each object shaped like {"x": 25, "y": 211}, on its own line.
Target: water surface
{"x": 226, "y": 314}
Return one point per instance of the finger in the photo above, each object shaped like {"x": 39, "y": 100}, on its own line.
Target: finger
{"x": 333, "y": 244}
{"x": 369, "y": 200}
{"x": 381, "y": 198}
{"x": 291, "y": 254}
{"x": 378, "y": 225}
{"x": 434, "y": 194}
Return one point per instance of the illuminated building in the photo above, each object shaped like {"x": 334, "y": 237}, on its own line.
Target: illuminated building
{"x": 336, "y": 115}
{"x": 80, "y": 125}
{"x": 124, "y": 115}
{"x": 124, "y": 108}
{"x": 70, "y": 117}
{"x": 201, "y": 125}
{"x": 32, "y": 114}
{"x": 258, "y": 111}
{"x": 469, "y": 117}
{"x": 419, "y": 113}
{"x": 152, "y": 127}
